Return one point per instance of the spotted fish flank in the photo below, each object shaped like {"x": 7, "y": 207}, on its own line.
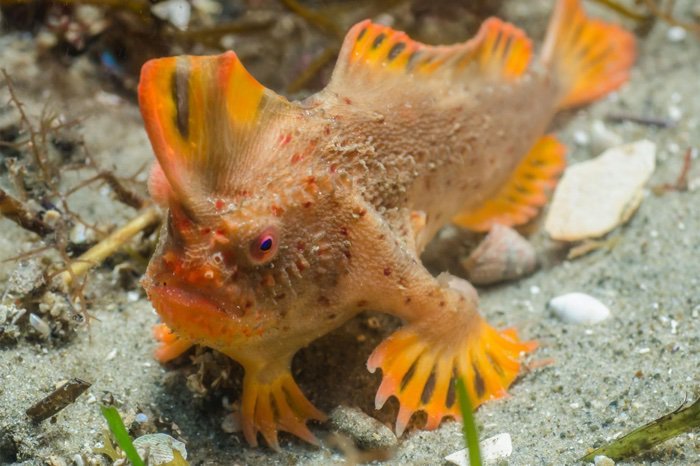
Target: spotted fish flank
{"x": 286, "y": 219}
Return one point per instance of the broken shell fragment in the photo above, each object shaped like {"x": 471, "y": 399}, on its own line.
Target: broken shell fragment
{"x": 595, "y": 196}
{"x": 578, "y": 308}
{"x": 493, "y": 450}
{"x": 161, "y": 449}
{"x": 502, "y": 255}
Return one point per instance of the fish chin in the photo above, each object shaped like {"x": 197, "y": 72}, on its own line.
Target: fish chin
{"x": 197, "y": 317}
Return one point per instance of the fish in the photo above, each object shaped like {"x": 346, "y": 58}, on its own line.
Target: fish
{"x": 285, "y": 219}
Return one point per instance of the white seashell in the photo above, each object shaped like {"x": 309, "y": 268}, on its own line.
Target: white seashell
{"x": 39, "y": 325}
{"x": 602, "y": 460}
{"x": 595, "y": 196}
{"x": 578, "y": 308}
{"x": 502, "y": 255}
{"x": 159, "y": 448}
{"x": 177, "y": 12}
{"x": 492, "y": 449}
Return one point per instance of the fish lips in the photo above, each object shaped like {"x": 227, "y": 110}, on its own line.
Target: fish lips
{"x": 199, "y": 317}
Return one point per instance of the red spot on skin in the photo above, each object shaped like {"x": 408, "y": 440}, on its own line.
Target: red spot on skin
{"x": 327, "y": 130}
{"x": 268, "y": 281}
{"x": 310, "y": 183}
{"x": 344, "y": 231}
{"x": 276, "y": 210}
{"x": 307, "y": 204}
{"x": 206, "y": 231}
{"x": 387, "y": 271}
{"x": 311, "y": 146}
{"x": 285, "y": 139}
{"x": 332, "y": 168}
{"x": 300, "y": 246}
{"x": 219, "y": 204}
{"x": 347, "y": 100}
{"x": 300, "y": 266}
{"x": 296, "y": 158}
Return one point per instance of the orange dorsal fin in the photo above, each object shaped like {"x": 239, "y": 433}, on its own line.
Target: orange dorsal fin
{"x": 203, "y": 116}
{"x": 518, "y": 200}
{"x": 374, "y": 53}
{"x": 590, "y": 58}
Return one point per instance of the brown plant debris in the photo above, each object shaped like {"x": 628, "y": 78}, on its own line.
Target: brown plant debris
{"x": 57, "y": 400}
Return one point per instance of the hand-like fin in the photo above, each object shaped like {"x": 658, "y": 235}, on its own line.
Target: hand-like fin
{"x": 421, "y": 372}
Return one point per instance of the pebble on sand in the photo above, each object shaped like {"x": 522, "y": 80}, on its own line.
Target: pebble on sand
{"x": 492, "y": 449}
{"x": 367, "y": 432}
{"x": 595, "y": 196}
{"x": 578, "y": 308}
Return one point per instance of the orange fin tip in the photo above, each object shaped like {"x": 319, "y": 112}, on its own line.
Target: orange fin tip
{"x": 517, "y": 202}
{"x": 200, "y": 113}
{"x": 590, "y": 58}
{"x": 277, "y": 405}
{"x": 421, "y": 373}
{"x": 171, "y": 345}
{"x": 498, "y": 51}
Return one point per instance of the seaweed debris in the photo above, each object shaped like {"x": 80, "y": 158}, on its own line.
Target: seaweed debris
{"x": 683, "y": 419}
{"x": 301, "y": 37}
{"x": 41, "y": 154}
{"x": 652, "y": 11}
{"x": 55, "y": 401}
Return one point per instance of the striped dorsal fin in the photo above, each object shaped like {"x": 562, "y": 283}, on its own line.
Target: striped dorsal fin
{"x": 499, "y": 51}
{"x": 203, "y": 116}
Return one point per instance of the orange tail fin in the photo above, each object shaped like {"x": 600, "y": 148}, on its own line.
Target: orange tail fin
{"x": 590, "y": 58}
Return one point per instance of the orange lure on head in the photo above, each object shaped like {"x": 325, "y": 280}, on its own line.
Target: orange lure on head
{"x": 286, "y": 219}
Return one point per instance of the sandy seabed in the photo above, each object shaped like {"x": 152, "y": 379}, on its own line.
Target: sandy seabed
{"x": 605, "y": 380}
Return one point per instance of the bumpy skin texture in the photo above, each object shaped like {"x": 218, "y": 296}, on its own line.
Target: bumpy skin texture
{"x": 287, "y": 219}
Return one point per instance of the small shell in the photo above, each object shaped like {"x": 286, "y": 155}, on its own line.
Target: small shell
{"x": 578, "y": 308}
{"x": 502, "y": 255}
{"x": 39, "y": 325}
{"x": 493, "y": 450}
{"x": 161, "y": 449}
{"x": 595, "y": 196}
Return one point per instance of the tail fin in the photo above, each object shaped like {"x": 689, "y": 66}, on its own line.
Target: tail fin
{"x": 590, "y": 58}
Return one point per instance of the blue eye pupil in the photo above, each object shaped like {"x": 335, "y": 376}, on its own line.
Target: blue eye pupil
{"x": 266, "y": 244}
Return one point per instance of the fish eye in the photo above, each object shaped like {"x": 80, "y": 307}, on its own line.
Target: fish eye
{"x": 264, "y": 246}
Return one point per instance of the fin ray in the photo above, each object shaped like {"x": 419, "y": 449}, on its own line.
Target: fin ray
{"x": 517, "y": 202}
{"x": 590, "y": 58}
{"x": 477, "y": 358}
{"x": 202, "y": 114}
{"x": 375, "y": 53}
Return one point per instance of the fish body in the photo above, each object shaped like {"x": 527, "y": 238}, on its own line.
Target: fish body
{"x": 286, "y": 219}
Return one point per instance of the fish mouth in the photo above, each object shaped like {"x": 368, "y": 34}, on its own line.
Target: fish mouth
{"x": 198, "y": 317}
{"x": 180, "y": 308}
